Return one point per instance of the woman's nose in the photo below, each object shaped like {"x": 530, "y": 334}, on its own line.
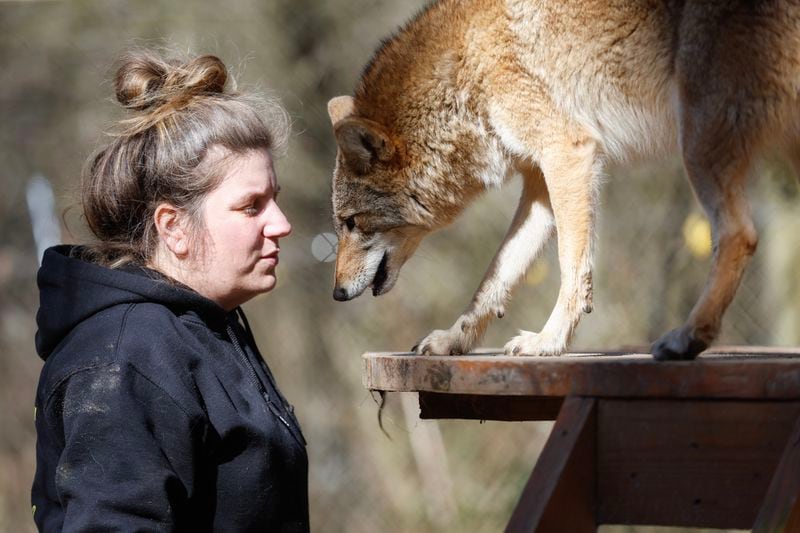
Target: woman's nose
{"x": 277, "y": 224}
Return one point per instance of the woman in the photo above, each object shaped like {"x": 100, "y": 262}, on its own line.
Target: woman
{"x": 155, "y": 410}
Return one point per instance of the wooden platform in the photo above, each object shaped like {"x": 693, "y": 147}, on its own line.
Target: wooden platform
{"x": 713, "y": 442}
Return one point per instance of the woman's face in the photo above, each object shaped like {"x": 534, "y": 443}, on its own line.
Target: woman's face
{"x": 242, "y": 226}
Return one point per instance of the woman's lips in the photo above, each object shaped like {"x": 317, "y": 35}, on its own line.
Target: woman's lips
{"x": 271, "y": 258}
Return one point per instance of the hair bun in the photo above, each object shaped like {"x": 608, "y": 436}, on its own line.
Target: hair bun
{"x": 139, "y": 78}
{"x": 145, "y": 79}
{"x": 204, "y": 74}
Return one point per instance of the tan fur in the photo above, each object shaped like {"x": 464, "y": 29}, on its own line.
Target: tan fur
{"x": 472, "y": 92}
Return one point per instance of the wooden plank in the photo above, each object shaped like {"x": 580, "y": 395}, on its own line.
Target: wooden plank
{"x": 688, "y": 463}
{"x": 560, "y": 494}
{"x": 477, "y": 407}
{"x": 728, "y": 374}
{"x": 780, "y": 510}
{"x": 793, "y": 522}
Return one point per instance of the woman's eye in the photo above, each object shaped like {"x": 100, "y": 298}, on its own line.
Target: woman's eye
{"x": 350, "y": 223}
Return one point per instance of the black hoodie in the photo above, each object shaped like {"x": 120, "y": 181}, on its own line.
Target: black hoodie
{"x": 155, "y": 411}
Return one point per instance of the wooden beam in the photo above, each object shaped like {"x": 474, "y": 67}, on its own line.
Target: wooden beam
{"x": 770, "y": 375}
{"x": 780, "y": 510}
{"x": 560, "y": 495}
{"x": 475, "y": 407}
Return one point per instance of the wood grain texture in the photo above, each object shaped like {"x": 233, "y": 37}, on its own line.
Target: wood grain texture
{"x": 724, "y": 373}
{"x": 688, "y": 463}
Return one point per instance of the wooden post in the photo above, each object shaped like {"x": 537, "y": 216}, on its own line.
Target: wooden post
{"x": 561, "y": 492}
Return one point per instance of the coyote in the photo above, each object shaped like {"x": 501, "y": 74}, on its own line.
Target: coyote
{"x": 472, "y": 92}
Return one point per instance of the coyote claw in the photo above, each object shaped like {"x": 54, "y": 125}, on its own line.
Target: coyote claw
{"x": 529, "y": 343}
{"x": 444, "y": 342}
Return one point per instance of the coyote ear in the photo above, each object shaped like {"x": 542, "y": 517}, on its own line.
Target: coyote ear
{"x": 363, "y": 142}
{"x": 341, "y": 107}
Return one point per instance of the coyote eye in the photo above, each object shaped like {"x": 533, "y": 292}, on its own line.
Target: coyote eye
{"x": 350, "y": 223}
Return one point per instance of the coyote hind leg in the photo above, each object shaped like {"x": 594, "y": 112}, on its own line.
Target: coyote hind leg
{"x": 716, "y": 165}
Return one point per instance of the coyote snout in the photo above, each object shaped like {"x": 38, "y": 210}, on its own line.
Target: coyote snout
{"x": 370, "y": 260}
{"x": 472, "y": 92}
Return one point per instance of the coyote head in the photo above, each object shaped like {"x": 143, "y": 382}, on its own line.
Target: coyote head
{"x": 377, "y": 216}
{"x": 393, "y": 185}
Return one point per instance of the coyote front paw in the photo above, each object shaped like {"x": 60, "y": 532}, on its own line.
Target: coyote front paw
{"x": 529, "y": 343}
{"x": 443, "y": 342}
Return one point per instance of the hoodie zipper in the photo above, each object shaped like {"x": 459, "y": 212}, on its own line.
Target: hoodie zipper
{"x": 254, "y": 378}
{"x": 286, "y": 405}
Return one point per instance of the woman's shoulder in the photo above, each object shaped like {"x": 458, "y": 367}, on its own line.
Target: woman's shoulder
{"x": 145, "y": 339}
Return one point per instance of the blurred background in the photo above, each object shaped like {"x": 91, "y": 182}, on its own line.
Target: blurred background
{"x": 653, "y": 249}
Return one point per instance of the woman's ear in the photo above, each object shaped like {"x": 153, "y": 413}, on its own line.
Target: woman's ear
{"x": 171, "y": 226}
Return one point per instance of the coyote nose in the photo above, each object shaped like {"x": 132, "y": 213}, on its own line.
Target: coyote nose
{"x": 339, "y": 294}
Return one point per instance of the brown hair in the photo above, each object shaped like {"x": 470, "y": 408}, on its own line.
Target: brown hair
{"x": 178, "y": 109}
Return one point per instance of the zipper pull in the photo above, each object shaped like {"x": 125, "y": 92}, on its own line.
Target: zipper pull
{"x": 278, "y": 414}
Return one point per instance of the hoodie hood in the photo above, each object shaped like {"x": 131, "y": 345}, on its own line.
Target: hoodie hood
{"x": 72, "y": 290}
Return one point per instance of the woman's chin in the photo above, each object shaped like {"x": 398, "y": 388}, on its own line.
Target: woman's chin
{"x": 267, "y": 282}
